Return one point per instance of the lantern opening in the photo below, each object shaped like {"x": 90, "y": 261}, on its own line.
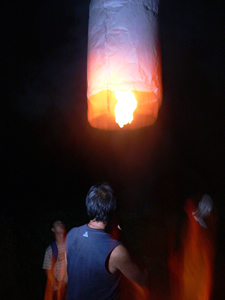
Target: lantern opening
{"x": 101, "y": 110}
{"x": 125, "y": 107}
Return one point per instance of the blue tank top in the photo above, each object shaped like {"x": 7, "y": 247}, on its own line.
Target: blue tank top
{"x": 88, "y": 251}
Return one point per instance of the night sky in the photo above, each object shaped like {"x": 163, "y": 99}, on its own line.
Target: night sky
{"x": 51, "y": 155}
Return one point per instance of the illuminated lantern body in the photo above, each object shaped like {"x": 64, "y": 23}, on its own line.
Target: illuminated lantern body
{"x": 123, "y": 55}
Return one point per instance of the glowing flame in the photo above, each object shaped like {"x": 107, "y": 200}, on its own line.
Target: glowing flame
{"x": 126, "y": 105}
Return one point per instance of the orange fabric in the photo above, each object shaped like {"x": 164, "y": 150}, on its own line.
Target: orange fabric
{"x": 191, "y": 268}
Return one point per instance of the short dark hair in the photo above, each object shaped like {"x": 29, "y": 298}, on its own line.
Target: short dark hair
{"x": 100, "y": 202}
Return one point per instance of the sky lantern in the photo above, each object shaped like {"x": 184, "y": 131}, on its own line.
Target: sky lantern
{"x": 124, "y": 65}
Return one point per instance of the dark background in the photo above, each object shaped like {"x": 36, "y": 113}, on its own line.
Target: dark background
{"x": 51, "y": 155}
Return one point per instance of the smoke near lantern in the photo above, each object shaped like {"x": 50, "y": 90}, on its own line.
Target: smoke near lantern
{"x": 123, "y": 57}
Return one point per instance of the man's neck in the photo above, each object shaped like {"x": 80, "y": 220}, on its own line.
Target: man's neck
{"x": 60, "y": 238}
{"x": 97, "y": 224}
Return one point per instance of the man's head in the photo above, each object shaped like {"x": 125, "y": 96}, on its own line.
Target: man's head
{"x": 100, "y": 202}
{"x": 58, "y": 227}
{"x": 205, "y": 206}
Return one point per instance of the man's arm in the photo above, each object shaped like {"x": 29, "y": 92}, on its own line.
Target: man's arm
{"x": 50, "y": 276}
{"x": 47, "y": 265}
{"x": 121, "y": 260}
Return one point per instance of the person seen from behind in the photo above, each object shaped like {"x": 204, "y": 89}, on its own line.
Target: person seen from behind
{"x": 95, "y": 260}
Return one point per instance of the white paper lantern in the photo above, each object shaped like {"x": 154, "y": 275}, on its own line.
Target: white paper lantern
{"x": 124, "y": 57}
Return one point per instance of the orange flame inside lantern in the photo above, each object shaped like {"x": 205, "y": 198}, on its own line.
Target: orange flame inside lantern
{"x": 126, "y": 105}
{"x": 102, "y": 109}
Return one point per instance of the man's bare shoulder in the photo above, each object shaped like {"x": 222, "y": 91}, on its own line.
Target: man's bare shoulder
{"x": 118, "y": 257}
{"x": 121, "y": 260}
{"x": 120, "y": 253}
